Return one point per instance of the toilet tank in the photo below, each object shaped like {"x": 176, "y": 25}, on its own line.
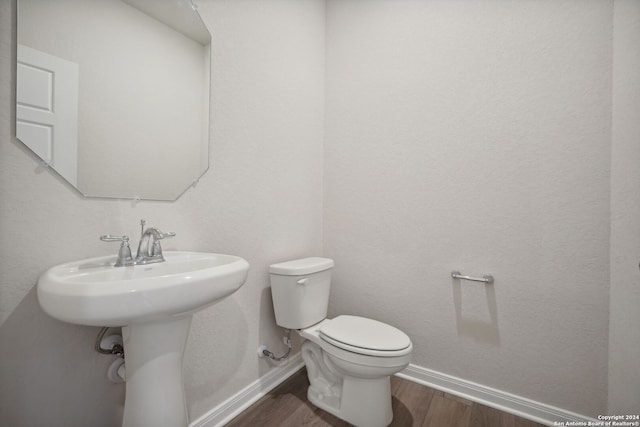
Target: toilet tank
{"x": 300, "y": 291}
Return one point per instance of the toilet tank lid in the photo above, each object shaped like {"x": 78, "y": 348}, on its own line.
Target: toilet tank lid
{"x": 301, "y": 266}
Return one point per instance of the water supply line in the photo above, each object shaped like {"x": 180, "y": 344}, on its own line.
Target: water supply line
{"x": 112, "y": 344}
{"x": 116, "y": 343}
{"x": 262, "y": 350}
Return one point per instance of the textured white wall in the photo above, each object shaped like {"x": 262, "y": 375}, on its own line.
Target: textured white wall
{"x": 261, "y": 199}
{"x": 475, "y": 136}
{"x": 624, "y": 333}
{"x": 471, "y": 135}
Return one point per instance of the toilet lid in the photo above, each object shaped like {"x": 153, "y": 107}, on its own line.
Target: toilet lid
{"x": 361, "y": 335}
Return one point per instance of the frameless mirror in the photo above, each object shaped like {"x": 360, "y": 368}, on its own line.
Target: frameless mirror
{"x": 114, "y": 94}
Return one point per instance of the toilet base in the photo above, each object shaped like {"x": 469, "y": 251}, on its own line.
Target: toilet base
{"x": 364, "y": 402}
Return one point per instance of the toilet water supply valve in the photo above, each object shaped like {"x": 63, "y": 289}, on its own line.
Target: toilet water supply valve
{"x": 262, "y": 350}
{"x": 112, "y": 344}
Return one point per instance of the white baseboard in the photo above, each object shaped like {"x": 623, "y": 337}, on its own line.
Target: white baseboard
{"x": 507, "y": 402}
{"x": 230, "y": 408}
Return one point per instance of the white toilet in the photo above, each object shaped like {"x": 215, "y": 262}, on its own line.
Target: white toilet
{"x": 349, "y": 359}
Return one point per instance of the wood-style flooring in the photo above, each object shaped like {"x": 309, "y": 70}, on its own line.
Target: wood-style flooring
{"x": 413, "y": 405}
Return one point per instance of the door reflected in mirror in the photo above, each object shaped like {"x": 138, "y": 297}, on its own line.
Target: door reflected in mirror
{"x": 114, "y": 95}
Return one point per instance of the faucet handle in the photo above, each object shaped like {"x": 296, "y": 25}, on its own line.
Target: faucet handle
{"x": 124, "y": 253}
{"x": 162, "y": 235}
{"x": 110, "y": 238}
{"x": 156, "y": 250}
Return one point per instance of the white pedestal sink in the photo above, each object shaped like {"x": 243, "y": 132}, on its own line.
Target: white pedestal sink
{"x": 154, "y": 304}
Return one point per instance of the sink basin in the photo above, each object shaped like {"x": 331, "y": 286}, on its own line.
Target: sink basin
{"x": 154, "y": 304}
{"x": 93, "y": 292}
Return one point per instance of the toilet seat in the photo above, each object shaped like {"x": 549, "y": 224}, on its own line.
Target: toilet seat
{"x": 365, "y": 336}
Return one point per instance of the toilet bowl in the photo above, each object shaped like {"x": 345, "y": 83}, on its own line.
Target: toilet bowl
{"x": 349, "y": 359}
{"x": 350, "y": 381}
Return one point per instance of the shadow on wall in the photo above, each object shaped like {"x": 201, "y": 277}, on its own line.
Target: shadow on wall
{"x": 215, "y": 349}
{"x": 51, "y": 375}
{"x": 476, "y": 317}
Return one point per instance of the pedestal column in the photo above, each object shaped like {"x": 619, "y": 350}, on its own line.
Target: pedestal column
{"x": 154, "y": 383}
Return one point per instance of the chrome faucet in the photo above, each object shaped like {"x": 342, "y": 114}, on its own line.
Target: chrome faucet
{"x": 149, "y": 249}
